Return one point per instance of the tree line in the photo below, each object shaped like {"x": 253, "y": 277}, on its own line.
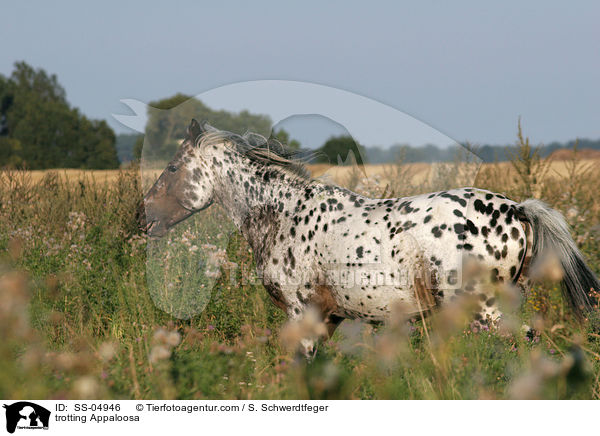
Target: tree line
{"x": 487, "y": 153}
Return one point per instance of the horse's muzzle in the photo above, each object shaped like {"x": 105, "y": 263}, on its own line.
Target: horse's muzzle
{"x": 151, "y": 227}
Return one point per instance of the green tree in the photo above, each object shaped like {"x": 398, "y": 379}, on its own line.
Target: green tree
{"x": 339, "y": 148}
{"x": 284, "y": 137}
{"x": 168, "y": 119}
{"x": 125, "y": 144}
{"x": 38, "y": 128}
{"x": 138, "y": 146}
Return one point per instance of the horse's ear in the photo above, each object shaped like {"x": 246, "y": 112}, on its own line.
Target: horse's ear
{"x": 194, "y": 131}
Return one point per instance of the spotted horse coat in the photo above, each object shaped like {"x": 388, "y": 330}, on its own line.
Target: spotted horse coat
{"x": 350, "y": 256}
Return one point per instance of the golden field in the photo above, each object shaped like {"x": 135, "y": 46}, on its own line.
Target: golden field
{"x": 338, "y": 174}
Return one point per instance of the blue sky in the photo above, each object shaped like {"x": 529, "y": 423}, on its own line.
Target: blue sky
{"x": 468, "y": 69}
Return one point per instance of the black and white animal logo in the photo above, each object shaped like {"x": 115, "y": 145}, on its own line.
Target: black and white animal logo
{"x": 26, "y": 415}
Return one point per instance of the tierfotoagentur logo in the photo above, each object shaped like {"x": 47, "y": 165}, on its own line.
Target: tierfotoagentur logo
{"x": 25, "y": 415}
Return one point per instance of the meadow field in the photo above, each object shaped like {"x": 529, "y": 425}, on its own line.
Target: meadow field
{"x": 91, "y": 309}
{"x": 340, "y": 175}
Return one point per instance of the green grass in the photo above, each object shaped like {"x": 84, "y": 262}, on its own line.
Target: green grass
{"x": 88, "y": 304}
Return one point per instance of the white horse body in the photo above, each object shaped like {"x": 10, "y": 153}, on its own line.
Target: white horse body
{"x": 374, "y": 255}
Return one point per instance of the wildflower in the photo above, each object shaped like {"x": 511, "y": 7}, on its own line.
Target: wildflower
{"x": 63, "y": 361}
{"x": 526, "y": 387}
{"x": 86, "y": 387}
{"x": 173, "y": 339}
{"x": 164, "y": 341}
{"x": 107, "y": 351}
{"x": 547, "y": 268}
{"x": 158, "y": 353}
{"x": 160, "y": 336}
{"x": 351, "y": 331}
{"x": 32, "y": 358}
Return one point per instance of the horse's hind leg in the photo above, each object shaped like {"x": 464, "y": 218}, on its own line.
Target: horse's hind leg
{"x": 487, "y": 314}
{"x": 482, "y": 300}
{"x": 332, "y": 323}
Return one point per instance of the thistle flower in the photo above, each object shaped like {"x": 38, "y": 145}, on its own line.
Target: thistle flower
{"x": 86, "y": 388}
{"x": 158, "y": 353}
{"x": 164, "y": 341}
{"x": 107, "y": 351}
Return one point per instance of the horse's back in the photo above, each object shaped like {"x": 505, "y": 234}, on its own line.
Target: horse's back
{"x": 389, "y": 248}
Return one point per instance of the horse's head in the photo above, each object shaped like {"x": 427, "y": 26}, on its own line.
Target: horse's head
{"x": 182, "y": 189}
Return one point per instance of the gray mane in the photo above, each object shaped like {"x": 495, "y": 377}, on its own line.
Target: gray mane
{"x": 268, "y": 151}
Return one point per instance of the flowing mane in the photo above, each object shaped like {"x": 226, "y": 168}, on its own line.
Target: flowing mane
{"x": 257, "y": 148}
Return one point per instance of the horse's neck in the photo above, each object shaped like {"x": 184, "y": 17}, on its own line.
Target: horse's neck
{"x": 243, "y": 191}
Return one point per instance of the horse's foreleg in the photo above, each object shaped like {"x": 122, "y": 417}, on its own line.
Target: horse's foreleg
{"x": 307, "y": 328}
{"x": 317, "y": 301}
{"x": 309, "y": 346}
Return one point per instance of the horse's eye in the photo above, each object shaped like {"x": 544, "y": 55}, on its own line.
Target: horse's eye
{"x": 172, "y": 168}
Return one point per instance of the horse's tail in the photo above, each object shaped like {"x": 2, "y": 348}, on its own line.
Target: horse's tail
{"x": 551, "y": 237}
